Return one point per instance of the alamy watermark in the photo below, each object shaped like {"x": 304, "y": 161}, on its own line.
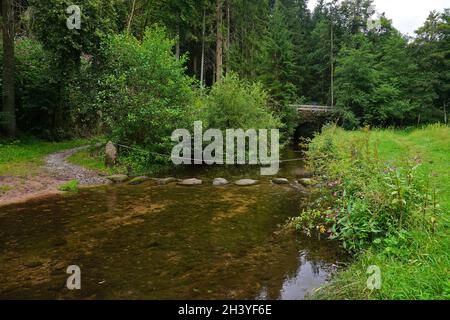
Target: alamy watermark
{"x": 231, "y": 149}
{"x": 74, "y": 280}
{"x": 374, "y": 279}
{"x": 74, "y": 20}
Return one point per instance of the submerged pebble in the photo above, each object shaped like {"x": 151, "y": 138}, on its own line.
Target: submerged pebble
{"x": 138, "y": 180}
{"x": 165, "y": 181}
{"x": 33, "y": 264}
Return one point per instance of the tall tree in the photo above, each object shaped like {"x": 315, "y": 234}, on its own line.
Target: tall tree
{"x": 8, "y": 93}
{"x": 277, "y": 66}
{"x": 99, "y": 18}
{"x": 219, "y": 40}
{"x": 248, "y": 25}
{"x": 277, "y": 70}
{"x": 432, "y": 50}
{"x": 298, "y": 20}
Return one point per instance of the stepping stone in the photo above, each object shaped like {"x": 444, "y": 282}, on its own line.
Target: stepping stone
{"x": 280, "y": 181}
{"x": 190, "y": 182}
{"x": 117, "y": 178}
{"x": 246, "y": 182}
{"x": 138, "y": 180}
{"x": 220, "y": 182}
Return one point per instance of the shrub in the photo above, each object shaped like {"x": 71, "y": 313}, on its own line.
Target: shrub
{"x": 235, "y": 103}
{"x": 144, "y": 94}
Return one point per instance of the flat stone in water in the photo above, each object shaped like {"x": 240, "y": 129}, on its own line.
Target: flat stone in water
{"x": 280, "y": 181}
{"x": 246, "y": 182}
{"x": 166, "y": 181}
{"x": 220, "y": 182}
{"x": 190, "y": 182}
{"x": 117, "y": 178}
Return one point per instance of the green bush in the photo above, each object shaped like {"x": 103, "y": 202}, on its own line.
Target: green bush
{"x": 144, "y": 94}
{"x": 81, "y": 94}
{"x": 235, "y": 103}
{"x": 365, "y": 200}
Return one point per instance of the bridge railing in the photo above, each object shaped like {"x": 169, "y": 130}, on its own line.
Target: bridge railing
{"x": 312, "y": 108}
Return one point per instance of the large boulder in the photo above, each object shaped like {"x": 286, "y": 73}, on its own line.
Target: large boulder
{"x": 190, "y": 182}
{"x": 220, "y": 182}
{"x": 118, "y": 178}
{"x": 110, "y": 155}
{"x": 246, "y": 182}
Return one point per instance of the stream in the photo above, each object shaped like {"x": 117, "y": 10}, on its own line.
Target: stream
{"x": 165, "y": 242}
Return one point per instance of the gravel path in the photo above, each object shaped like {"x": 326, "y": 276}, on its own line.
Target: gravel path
{"x": 58, "y": 167}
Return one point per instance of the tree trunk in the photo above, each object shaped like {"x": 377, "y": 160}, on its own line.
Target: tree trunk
{"x": 332, "y": 60}
{"x": 194, "y": 64}
{"x": 177, "y": 48}
{"x": 219, "y": 41}
{"x": 130, "y": 18}
{"x": 227, "y": 42}
{"x": 8, "y": 68}
{"x": 445, "y": 113}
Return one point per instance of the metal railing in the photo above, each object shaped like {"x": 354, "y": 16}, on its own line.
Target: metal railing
{"x": 312, "y": 108}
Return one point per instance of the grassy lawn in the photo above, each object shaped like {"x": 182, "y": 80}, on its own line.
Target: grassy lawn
{"x": 420, "y": 269}
{"x": 26, "y": 156}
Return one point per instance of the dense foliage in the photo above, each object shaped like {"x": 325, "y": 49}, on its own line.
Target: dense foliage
{"x": 413, "y": 257}
{"x": 144, "y": 94}
{"x": 35, "y": 87}
{"x": 235, "y": 103}
{"x": 330, "y": 55}
{"x": 367, "y": 199}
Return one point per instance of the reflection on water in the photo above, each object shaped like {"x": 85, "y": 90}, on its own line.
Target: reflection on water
{"x": 162, "y": 242}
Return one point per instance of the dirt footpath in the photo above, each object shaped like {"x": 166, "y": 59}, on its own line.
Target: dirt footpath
{"x": 55, "y": 171}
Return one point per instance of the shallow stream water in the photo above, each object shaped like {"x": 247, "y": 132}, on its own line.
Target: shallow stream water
{"x": 165, "y": 242}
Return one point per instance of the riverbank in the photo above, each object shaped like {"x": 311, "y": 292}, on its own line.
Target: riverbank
{"x": 33, "y": 169}
{"x": 413, "y": 262}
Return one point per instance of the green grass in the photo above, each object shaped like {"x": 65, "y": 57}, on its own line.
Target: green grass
{"x": 71, "y": 186}
{"x": 420, "y": 267}
{"x": 25, "y": 157}
{"x": 5, "y": 189}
